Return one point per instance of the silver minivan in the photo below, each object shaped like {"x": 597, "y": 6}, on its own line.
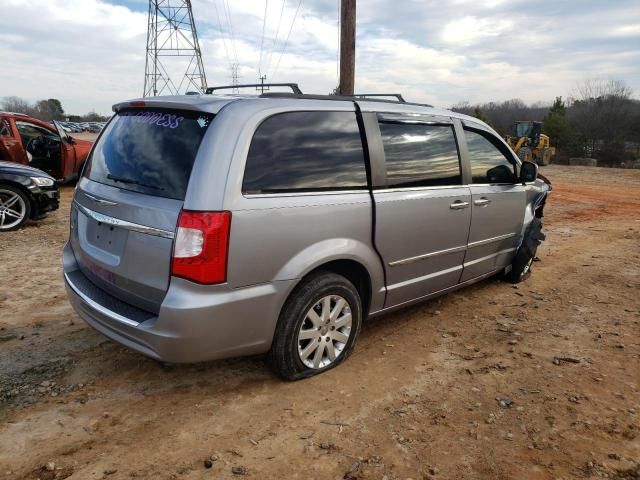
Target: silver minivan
{"x": 211, "y": 226}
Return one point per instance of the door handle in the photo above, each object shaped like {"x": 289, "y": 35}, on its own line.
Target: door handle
{"x": 458, "y": 205}
{"x": 483, "y": 202}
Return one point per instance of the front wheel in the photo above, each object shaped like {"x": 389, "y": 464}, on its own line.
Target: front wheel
{"x": 545, "y": 157}
{"x": 317, "y": 328}
{"x": 521, "y": 266}
{"x": 14, "y": 208}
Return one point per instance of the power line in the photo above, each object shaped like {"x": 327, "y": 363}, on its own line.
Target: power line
{"x": 264, "y": 24}
{"x": 287, "y": 40}
{"x": 233, "y": 37}
{"x": 224, "y": 40}
{"x": 275, "y": 39}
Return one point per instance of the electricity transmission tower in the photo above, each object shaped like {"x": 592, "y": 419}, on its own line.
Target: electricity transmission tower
{"x": 235, "y": 77}
{"x": 174, "y": 62}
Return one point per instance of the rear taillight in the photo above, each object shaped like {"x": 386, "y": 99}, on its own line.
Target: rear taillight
{"x": 201, "y": 246}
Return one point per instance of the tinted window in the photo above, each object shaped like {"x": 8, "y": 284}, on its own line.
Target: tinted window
{"x": 488, "y": 163}
{"x": 299, "y": 151}
{"x": 420, "y": 155}
{"x": 149, "y": 151}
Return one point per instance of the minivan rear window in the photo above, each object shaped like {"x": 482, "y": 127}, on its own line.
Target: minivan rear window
{"x": 149, "y": 151}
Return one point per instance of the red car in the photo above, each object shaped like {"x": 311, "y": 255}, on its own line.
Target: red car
{"x": 32, "y": 142}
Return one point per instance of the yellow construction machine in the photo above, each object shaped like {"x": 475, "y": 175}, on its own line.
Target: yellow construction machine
{"x": 530, "y": 144}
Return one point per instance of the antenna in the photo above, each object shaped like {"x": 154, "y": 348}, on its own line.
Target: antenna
{"x": 173, "y": 50}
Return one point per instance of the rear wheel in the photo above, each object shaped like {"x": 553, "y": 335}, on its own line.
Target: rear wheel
{"x": 14, "y": 208}
{"x": 317, "y": 328}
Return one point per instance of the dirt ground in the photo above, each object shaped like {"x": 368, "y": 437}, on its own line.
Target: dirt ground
{"x": 538, "y": 381}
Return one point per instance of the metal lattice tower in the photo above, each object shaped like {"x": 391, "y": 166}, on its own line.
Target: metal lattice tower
{"x": 235, "y": 77}
{"x": 173, "y": 50}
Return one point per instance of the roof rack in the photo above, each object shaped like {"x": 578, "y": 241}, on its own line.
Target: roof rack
{"x": 363, "y": 96}
{"x": 347, "y": 98}
{"x": 258, "y": 86}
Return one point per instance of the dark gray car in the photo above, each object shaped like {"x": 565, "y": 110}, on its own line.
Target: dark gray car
{"x": 207, "y": 226}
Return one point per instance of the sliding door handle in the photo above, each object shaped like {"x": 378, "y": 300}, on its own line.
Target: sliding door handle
{"x": 458, "y": 205}
{"x": 482, "y": 202}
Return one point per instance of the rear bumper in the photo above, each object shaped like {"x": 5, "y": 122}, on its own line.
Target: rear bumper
{"x": 195, "y": 322}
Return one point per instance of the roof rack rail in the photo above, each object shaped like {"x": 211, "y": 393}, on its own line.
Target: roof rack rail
{"x": 363, "y": 96}
{"x": 343, "y": 98}
{"x": 258, "y": 86}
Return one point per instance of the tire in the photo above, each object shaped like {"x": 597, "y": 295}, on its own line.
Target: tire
{"x": 521, "y": 266}
{"x": 15, "y": 208}
{"x": 293, "y": 358}
{"x": 545, "y": 157}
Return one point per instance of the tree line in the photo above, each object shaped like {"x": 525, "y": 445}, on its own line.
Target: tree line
{"x": 46, "y": 110}
{"x": 599, "y": 120}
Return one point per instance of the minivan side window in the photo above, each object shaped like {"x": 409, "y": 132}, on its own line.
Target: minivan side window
{"x": 420, "y": 155}
{"x": 306, "y": 151}
{"x": 488, "y": 163}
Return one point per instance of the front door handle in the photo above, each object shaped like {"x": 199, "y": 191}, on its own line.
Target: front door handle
{"x": 483, "y": 202}
{"x": 458, "y": 205}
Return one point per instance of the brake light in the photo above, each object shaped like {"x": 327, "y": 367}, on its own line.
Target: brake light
{"x": 137, "y": 103}
{"x": 201, "y": 245}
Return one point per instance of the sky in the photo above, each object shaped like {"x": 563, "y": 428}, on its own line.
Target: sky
{"x": 90, "y": 54}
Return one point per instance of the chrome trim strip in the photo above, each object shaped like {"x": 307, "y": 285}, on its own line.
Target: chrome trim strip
{"x": 305, "y": 194}
{"x": 96, "y": 306}
{"x": 423, "y": 278}
{"x": 427, "y": 255}
{"x": 491, "y": 240}
{"x": 350, "y": 192}
{"x": 416, "y": 189}
{"x": 99, "y": 200}
{"x": 484, "y": 259}
{"x": 508, "y": 184}
{"x": 116, "y": 222}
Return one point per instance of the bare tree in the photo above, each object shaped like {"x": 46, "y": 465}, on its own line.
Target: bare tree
{"x": 17, "y": 105}
{"x": 503, "y": 115}
{"x": 601, "y": 110}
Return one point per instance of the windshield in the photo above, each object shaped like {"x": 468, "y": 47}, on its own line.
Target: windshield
{"x": 523, "y": 129}
{"x": 149, "y": 151}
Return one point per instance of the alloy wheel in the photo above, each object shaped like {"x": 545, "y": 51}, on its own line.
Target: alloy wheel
{"x": 527, "y": 267}
{"x": 12, "y": 209}
{"x": 324, "y": 332}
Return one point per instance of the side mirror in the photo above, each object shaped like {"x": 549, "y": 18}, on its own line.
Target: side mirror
{"x": 70, "y": 140}
{"x": 528, "y": 172}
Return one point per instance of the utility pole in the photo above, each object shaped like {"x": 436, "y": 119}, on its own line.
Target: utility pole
{"x": 262, "y": 87}
{"x": 347, "y": 46}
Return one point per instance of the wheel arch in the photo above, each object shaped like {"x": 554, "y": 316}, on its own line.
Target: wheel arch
{"x": 21, "y": 186}
{"x": 345, "y": 256}
{"x": 353, "y": 271}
